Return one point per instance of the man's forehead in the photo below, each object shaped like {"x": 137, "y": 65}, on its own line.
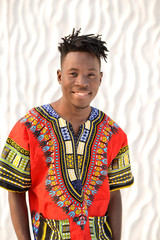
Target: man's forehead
{"x": 77, "y": 69}
{"x": 78, "y": 57}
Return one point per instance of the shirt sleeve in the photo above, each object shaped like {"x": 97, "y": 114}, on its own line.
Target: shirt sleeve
{"x": 119, "y": 170}
{"x": 15, "y": 160}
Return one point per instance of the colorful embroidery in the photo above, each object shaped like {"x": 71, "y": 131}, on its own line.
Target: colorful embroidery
{"x": 15, "y": 167}
{"x": 119, "y": 171}
{"x": 98, "y": 166}
{"x": 50, "y": 229}
{"x": 35, "y": 223}
{"x": 99, "y": 228}
{"x": 16, "y": 155}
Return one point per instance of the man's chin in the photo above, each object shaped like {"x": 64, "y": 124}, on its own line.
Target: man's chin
{"x": 81, "y": 106}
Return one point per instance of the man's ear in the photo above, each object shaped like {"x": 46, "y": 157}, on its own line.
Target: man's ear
{"x": 59, "y": 76}
{"x": 101, "y": 75}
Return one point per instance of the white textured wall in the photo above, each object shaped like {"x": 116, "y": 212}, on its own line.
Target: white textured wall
{"x": 130, "y": 93}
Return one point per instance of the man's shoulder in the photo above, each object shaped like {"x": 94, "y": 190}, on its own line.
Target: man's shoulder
{"x": 41, "y": 108}
{"x": 110, "y": 124}
{"x": 108, "y": 119}
{"x": 33, "y": 113}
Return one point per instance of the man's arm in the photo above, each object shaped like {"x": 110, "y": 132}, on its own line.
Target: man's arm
{"x": 19, "y": 215}
{"x": 115, "y": 214}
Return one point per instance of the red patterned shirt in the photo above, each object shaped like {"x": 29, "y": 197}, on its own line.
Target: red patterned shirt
{"x": 69, "y": 177}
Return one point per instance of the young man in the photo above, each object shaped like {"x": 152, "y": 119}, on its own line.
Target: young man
{"x": 71, "y": 157}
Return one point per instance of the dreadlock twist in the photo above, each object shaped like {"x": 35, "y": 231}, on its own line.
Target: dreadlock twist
{"x": 84, "y": 43}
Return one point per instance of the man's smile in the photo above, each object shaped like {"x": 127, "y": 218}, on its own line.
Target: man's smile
{"x": 81, "y": 94}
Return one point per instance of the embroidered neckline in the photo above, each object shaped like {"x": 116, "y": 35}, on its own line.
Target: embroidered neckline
{"x": 74, "y": 150}
{"x": 93, "y": 114}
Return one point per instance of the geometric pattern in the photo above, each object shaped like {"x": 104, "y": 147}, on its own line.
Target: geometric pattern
{"x": 99, "y": 228}
{"x": 69, "y": 149}
{"x": 15, "y": 167}
{"x": 119, "y": 171}
{"x": 69, "y": 160}
{"x": 50, "y": 229}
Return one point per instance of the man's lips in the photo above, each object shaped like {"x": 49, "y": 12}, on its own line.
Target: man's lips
{"x": 81, "y": 94}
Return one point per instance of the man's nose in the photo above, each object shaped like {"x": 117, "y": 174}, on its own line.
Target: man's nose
{"x": 82, "y": 80}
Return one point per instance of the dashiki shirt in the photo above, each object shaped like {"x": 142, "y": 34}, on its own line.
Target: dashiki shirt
{"x": 69, "y": 177}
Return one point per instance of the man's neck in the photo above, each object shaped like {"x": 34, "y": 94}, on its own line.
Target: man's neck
{"x": 76, "y": 116}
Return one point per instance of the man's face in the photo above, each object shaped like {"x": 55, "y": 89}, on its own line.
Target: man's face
{"x": 80, "y": 79}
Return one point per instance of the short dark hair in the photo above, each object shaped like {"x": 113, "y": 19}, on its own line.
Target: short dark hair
{"x": 83, "y": 43}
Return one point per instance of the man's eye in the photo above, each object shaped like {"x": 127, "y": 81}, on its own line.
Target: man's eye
{"x": 91, "y": 75}
{"x": 73, "y": 74}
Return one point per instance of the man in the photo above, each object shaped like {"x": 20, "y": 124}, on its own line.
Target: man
{"x": 71, "y": 157}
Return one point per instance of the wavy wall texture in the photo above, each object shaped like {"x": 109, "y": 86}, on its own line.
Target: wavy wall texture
{"x": 130, "y": 92}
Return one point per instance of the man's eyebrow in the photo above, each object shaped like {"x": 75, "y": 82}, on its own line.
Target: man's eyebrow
{"x": 76, "y": 69}
{"x": 73, "y": 69}
{"x": 92, "y": 69}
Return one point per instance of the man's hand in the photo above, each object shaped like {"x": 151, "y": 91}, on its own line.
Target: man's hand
{"x": 115, "y": 214}
{"x": 19, "y": 215}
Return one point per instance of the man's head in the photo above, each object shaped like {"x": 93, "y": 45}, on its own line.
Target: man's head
{"x": 80, "y": 75}
{"x": 83, "y": 43}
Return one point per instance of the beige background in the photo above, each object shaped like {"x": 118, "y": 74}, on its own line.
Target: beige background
{"x": 130, "y": 93}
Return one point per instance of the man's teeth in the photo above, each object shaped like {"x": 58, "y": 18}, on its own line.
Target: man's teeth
{"x": 81, "y": 94}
